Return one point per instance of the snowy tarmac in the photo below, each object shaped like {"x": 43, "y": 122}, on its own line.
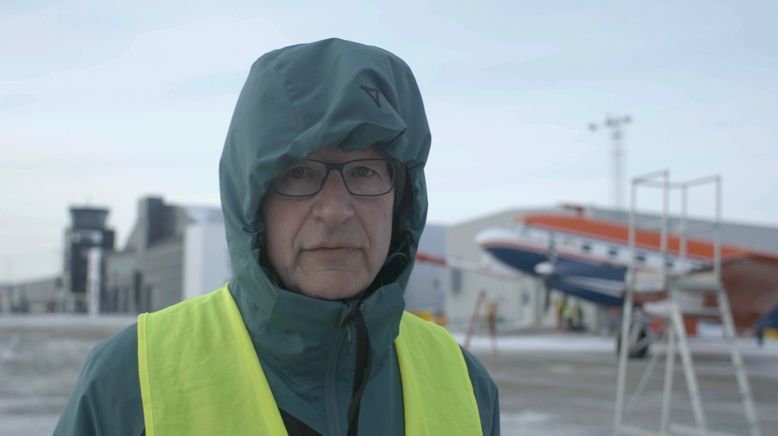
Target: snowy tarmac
{"x": 550, "y": 383}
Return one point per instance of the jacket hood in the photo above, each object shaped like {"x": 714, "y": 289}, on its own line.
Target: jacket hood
{"x": 297, "y": 100}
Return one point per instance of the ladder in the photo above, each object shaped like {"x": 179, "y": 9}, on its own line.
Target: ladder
{"x": 679, "y": 284}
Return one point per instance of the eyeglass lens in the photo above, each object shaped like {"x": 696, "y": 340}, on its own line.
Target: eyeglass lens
{"x": 366, "y": 177}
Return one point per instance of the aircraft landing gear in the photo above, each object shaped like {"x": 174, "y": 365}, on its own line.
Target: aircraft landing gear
{"x": 639, "y": 340}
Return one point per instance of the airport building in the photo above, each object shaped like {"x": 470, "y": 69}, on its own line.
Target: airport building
{"x": 86, "y": 239}
{"x": 519, "y": 301}
{"x": 173, "y": 253}
{"x": 38, "y": 295}
{"x": 66, "y": 291}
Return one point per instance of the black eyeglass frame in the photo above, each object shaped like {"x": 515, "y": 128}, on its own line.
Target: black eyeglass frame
{"x": 329, "y": 166}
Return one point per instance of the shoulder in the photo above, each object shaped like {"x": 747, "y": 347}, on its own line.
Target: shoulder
{"x": 106, "y": 399}
{"x": 111, "y": 357}
{"x": 486, "y": 394}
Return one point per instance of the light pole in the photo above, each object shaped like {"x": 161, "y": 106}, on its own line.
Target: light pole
{"x": 616, "y": 127}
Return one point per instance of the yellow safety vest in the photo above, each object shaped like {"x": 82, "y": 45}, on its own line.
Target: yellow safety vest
{"x": 200, "y": 375}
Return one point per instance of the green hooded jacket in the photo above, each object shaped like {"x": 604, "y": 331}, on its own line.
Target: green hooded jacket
{"x": 325, "y": 360}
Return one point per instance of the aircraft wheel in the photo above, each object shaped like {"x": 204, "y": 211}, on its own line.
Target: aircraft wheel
{"x": 639, "y": 348}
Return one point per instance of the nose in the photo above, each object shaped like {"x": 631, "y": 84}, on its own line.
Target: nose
{"x": 333, "y": 203}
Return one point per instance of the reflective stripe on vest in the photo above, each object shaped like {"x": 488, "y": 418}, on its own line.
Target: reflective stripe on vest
{"x": 200, "y": 375}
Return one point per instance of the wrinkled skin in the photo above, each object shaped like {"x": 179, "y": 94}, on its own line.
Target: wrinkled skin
{"x": 330, "y": 245}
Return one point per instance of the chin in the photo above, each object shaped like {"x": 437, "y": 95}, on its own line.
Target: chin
{"x": 335, "y": 293}
{"x": 338, "y": 289}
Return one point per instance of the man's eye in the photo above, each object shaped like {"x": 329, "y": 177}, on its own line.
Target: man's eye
{"x": 363, "y": 171}
{"x": 297, "y": 172}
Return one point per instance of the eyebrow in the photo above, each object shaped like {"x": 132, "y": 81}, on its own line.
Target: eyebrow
{"x": 374, "y": 154}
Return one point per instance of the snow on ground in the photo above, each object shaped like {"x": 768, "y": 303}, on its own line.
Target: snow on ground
{"x": 550, "y": 383}
{"x": 582, "y": 342}
{"x": 540, "y": 342}
{"x": 64, "y": 320}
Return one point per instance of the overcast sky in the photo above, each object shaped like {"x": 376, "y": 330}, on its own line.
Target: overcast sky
{"x": 102, "y": 102}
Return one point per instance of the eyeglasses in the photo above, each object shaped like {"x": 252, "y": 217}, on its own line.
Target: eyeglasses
{"x": 362, "y": 177}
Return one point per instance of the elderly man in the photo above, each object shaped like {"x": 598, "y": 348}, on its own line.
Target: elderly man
{"x": 324, "y": 201}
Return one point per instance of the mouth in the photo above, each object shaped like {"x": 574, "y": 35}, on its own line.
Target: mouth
{"x": 332, "y": 250}
{"x": 331, "y": 256}
{"x": 332, "y": 246}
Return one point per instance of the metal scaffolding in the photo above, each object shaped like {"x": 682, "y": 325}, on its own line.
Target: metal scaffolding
{"x": 682, "y": 281}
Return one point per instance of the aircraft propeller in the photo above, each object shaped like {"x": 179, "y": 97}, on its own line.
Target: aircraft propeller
{"x": 546, "y": 271}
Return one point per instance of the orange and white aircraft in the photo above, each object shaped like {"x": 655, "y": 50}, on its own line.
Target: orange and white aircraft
{"x": 588, "y": 258}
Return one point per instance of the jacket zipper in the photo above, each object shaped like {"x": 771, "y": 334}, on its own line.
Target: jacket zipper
{"x": 330, "y": 383}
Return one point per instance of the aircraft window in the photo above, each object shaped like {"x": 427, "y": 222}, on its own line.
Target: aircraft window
{"x": 641, "y": 257}
{"x": 586, "y": 246}
{"x": 612, "y": 251}
{"x": 669, "y": 263}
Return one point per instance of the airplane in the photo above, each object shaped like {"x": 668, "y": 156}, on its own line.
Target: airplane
{"x": 589, "y": 259}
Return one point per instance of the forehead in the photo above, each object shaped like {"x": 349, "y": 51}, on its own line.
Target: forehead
{"x": 335, "y": 154}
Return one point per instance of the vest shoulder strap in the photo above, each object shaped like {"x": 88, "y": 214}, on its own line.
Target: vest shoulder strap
{"x": 438, "y": 395}
{"x": 199, "y": 373}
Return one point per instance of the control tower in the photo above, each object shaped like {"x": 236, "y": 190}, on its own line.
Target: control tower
{"x": 87, "y": 231}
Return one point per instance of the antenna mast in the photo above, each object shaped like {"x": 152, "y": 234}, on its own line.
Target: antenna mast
{"x": 616, "y": 127}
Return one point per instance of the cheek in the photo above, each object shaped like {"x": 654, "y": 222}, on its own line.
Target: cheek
{"x": 380, "y": 223}
{"x": 279, "y": 233}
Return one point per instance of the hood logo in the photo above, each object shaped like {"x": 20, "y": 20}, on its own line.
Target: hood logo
{"x": 373, "y": 94}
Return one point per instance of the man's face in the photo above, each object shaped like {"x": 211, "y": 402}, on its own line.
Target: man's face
{"x": 330, "y": 245}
